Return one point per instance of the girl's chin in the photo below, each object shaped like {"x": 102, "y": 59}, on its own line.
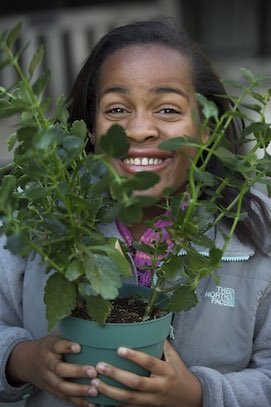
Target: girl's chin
{"x": 149, "y": 192}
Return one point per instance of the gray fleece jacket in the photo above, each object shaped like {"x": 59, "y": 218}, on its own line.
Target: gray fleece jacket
{"x": 225, "y": 340}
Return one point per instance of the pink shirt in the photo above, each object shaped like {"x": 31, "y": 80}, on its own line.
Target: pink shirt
{"x": 142, "y": 259}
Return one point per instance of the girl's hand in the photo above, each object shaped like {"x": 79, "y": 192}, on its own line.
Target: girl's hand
{"x": 40, "y": 362}
{"x": 170, "y": 384}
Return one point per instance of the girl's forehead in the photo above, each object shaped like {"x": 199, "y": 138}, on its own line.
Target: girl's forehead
{"x": 146, "y": 52}
{"x": 149, "y": 61}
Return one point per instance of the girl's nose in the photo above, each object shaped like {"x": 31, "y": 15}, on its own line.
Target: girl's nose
{"x": 141, "y": 128}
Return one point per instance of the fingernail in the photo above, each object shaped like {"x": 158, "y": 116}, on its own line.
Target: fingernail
{"x": 91, "y": 373}
{"x": 95, "y": 383}
{"x": 92, "y": 392}
{"x": 75, "y": 347}
{"x": 122, "y": 351}
{"x": 100, "y": 368}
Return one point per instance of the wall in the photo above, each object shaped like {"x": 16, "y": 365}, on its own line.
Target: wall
{"x": 68, "y": 35}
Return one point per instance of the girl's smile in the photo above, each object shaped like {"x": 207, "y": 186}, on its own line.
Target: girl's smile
{"x": 145, "y": 160}
{"x": 148, "y": 91}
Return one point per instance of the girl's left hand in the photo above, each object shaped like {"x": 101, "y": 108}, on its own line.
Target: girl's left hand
{"x": 170, "y": 383}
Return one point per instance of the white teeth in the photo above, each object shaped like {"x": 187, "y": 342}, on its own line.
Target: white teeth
{"x": 143, "y": 161}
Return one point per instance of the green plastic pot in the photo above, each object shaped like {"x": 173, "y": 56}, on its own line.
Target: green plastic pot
{"x": 100, "y": 344}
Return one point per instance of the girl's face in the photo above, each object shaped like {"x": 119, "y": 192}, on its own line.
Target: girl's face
{"x": 148, "y": 91}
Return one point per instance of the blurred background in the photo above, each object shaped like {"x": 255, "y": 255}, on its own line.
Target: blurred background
{"x": 234, "y": 34}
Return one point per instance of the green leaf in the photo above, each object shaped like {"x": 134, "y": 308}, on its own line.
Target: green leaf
{"x": 215, "y": 255}
{"x": 114, "y": 143}
{"x": 113, "y": 251}
{"x": 61, "y": 113}
{"x": 99, "y": 270}
{"x": 173, "y": 267}
{"x": 143, "y": 247}
{"x": 203, "y": 214}
{"x": 145, "y": 180}
{"x": 99, "y": 169}
{"x": 256, "y": 127}
{"x": 49, "y": 138}
{"x": 60, "y": 299}
{"x": 54, "y": 225}
{"x": 79, "y": 128}
{"x": 254, "y": 107}
{"x": 201, "y": 240}
{"x": 45, "y": 105}
{"x": 227, "y": 157}
{"x": 233, "y": 215}
{"x": 41, "y": 83}
{"x": 21, "y": 105}
{"x": 7, "y": 187}
{"x": 74, "y": 271}
{"x": 17, "y": 244}
{"x": 22, "y": 50}
{"x": 209, "y": 108}
{"x": 78, "y": 203}
{"x": 247, "y": 74}
{"x": 14, "y": 33}
{"x": 196, "y": 263}
{"x": 35, "y": 191}
{"x": 264, "y": 163}
{"x": 183, "y": 299}
{"x": 233, "y": 113}
{"x": 132, "y": 213}
{"x": 178, "y": 142}
{"x": 23, "y": 93}
{"x": 7, "y": 109}
{"x": 26, "y": 133}
{"x": 205, "y": 177}
{"x": 36, "y": 60}
{"x": 71, "y": 143}
{"x": 98, "y": 308}
{"x": 11, "y": 141}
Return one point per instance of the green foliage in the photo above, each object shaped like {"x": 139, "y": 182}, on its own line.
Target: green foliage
{"x": 60, "y": 298}
{"x": 54, "y": 196}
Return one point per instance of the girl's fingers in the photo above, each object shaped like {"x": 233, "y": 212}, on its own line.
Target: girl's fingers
{"x": 126, "y": 396}
{"x": 121, "y": 376}
{"x": 59, "y": 346}
{"x": 69, "y": 371}
{"x": 148, "y": 362}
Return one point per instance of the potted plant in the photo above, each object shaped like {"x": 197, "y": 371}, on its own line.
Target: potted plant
{"x": 55, "y": 201}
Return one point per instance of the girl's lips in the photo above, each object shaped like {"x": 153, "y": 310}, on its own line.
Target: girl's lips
{"x": 142, "y": 161}
{"x": 136, "y": 162}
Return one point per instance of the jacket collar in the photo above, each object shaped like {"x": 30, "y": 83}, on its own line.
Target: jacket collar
{"x": 235, "y": 251}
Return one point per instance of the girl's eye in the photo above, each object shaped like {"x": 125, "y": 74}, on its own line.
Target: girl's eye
{"x": 116, "y": 110}
{"x": 169, "y": 110}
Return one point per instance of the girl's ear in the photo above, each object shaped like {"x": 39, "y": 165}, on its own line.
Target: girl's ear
{"x": 92, "y": 138}
{"x": 205, "y": 135}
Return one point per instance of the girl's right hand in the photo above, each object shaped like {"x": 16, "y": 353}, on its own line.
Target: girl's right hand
{"x": 40, "y": 363}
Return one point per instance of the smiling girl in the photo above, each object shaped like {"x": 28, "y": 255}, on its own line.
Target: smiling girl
{"x": 144, "y": 76}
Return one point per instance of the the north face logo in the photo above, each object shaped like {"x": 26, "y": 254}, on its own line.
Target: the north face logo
{"x": 222, "y": 296}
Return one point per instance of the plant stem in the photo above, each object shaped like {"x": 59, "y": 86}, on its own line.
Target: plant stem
{"x": 37, "y": 112}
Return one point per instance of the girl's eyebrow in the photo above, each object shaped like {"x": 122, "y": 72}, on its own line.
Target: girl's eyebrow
{"x": 169, "y": 89}
{"x": 114, "y": 89}
{"x": 157, "y": 90}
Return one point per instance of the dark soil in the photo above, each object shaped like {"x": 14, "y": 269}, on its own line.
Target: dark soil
{"x": 125, "y": 310}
